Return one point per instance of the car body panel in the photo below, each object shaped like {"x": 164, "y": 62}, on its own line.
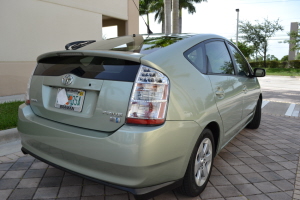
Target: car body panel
{"x": 251, "y": 94}
{"x": 105, "y": 53}
{"x": 100, "y": 96}
{"x": 133, "y": 156}
{"x": 230, "y": 103}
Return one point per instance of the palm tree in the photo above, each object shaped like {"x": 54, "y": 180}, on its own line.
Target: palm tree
{"x": 145, "y": 10}
{"x": 158, "y": 8}
{"x": 187, "y": 4}
{"x": 167, "y": 10}
{"x": 175, "y": 23}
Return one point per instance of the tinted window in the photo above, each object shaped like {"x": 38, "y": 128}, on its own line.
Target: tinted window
{"x": 138, "y": 43}
{"x": 195, "y": 56}
{"x": 241, "y": 63}
{"x": 218, "y": 58}
{"x": 89, "y": 67}
{"x": 154, "y": 43}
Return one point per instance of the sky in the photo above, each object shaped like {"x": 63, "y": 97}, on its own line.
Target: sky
{"x": 220, "y": 17}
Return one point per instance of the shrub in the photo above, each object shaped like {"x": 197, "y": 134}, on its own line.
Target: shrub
{"x": 283, "y": 64}
{"x": 285, "y": 58}
{"x": 254, "y": 64}
{"x": 294, "y": 64}
{"x": 272, "y": 64}
{"x": 258, "y": 64}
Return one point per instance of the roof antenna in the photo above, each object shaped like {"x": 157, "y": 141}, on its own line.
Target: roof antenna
{"x": 148, "y": 28}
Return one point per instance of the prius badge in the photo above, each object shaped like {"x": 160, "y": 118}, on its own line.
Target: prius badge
{"x": 67, "y": 79}
{"x": 116, "y": 117}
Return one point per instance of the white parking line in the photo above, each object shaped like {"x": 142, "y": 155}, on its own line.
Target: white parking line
{"x": 290, "y": 110}
{"x": 264, "y": 103}
{"x": 295, "y": 113}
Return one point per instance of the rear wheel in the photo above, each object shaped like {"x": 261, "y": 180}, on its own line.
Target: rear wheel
{"x": 200, "y": 165}
{"x": 254, "y": 124}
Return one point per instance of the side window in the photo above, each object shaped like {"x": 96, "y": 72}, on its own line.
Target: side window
{"x": 218, "y": 58}
{"x": 241, "y": 63}
{"x": 195, "y": 56}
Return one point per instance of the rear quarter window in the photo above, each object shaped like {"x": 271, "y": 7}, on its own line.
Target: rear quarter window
{"x": 196, "y": 57}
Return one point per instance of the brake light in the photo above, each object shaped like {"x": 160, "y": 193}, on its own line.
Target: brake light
{"x": 149, "y": 98}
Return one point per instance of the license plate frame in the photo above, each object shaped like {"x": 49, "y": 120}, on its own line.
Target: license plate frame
{"x": 75, "y": 100}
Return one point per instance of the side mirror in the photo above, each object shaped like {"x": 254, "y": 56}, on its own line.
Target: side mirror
{"x": 259, "y": 72}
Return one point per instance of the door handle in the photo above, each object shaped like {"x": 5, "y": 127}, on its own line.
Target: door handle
{"x": 245, "y": 89}
{"x": 220, "y": 93}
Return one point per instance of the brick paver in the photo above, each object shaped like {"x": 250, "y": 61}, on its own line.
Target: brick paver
{"x": 257, "y": 164}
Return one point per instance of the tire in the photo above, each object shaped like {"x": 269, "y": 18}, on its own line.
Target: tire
{"x": 254, "y": 124}
{"x": 200, "y": 165}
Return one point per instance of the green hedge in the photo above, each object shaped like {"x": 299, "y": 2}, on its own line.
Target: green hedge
{"x": 273, "y": 64}
{"x": 294, "y": 64}
{"x": 277, "y": 64}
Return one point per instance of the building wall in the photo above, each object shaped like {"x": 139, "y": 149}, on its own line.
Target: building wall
{"x": 14, "y": 77}
{"x": 32, "y": 27}
{"x": 112, "y": 8}
{"x": 133, "y": 18}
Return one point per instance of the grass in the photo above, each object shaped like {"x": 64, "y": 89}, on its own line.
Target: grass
{"x": 283, "y": 71}
{"x": 9, "y": 114}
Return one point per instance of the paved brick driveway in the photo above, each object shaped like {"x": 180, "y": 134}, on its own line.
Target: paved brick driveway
{"x": 257, "y": 164}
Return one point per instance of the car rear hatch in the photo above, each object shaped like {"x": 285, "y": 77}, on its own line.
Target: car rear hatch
{"x": 87, "y": 89}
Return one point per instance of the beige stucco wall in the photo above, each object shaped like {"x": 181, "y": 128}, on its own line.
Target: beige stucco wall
{"x": 29, "y": 28}
{"x": 14, "y": 77}
{"x": 32, "y": 27}
{"x": 133, "y": 18}
{"x": 112, "y": 8}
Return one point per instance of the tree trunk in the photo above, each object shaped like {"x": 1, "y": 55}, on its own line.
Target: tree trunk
{"x": 180, "y": 20}
{"x": 265, "y": 54}
{"x": 163, "y": 26}
{"x": 148, "y": 24}
{"x": 148, "y": 19}
{"x": 167, "y": 9}
{"x": 256, "y": 56}
{"x": 175, "y": 17}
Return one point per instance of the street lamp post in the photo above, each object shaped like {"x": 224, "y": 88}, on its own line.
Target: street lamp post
{"x": 237, "y": 26}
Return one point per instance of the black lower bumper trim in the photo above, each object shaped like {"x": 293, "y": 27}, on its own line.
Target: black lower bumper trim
{"x": 139, "y": 193}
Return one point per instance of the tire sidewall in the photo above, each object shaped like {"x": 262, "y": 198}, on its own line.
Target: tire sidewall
{"x": 190, "y": 176}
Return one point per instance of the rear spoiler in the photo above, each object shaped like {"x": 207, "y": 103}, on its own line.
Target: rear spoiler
{"x": 103, "y": 53}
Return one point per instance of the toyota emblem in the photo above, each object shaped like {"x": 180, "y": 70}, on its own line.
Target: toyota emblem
{"x": 67, "y": 79}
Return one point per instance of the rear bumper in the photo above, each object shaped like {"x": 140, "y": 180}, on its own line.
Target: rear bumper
{"x": 132, "y": 157}
{"x": 140, "y": 193}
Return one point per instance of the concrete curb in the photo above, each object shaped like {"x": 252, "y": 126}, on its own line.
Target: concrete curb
{"x": 12, "y": 98}
{"x": 9, "y": 135}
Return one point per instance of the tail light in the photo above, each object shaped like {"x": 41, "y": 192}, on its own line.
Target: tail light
{"x": 149, "y": 98}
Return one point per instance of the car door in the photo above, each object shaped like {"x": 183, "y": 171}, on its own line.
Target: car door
{"x": 249, "y": 84}
{"x": 225, "y": 84}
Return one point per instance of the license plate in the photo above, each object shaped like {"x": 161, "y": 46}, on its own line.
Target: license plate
{"x": 74, "y": 99}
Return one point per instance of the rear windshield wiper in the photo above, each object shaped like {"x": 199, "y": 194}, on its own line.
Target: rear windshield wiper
{"x": 78, "y": 44}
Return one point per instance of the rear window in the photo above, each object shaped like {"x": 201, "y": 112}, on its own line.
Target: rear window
{"x": 89, "y": 67}
{"x": 137, "y": 43}
{"x": 148, "y": 45}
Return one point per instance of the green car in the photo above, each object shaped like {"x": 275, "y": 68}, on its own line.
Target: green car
{"x": 143, "y": 114}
